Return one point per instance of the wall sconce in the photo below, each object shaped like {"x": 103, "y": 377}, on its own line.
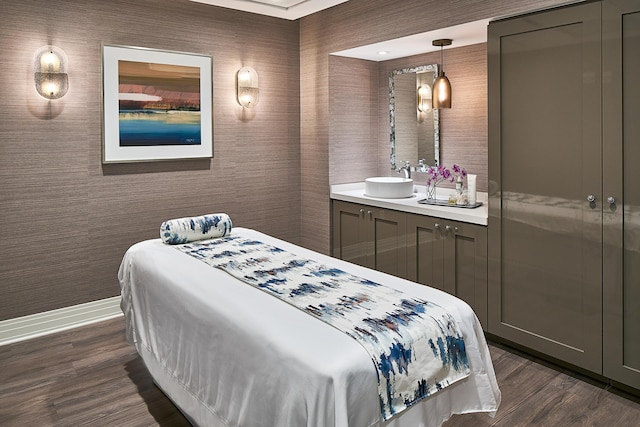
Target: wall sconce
{"x": 442, "y": 86}
{"x": 50, "y": 72}
{"x": 247, "y": 82}
{"x": 424, "y": 98}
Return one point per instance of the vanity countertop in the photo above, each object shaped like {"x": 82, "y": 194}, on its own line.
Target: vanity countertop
{"x": 354, "y": 193}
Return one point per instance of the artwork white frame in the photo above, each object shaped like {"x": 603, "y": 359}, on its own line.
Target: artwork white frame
{"x": 114, "y": 148}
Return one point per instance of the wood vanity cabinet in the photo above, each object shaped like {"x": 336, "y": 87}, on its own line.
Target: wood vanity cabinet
{"x": 564, "y": 103}
{"x": 447, "y": 255}
{"x": 370, "y": 236}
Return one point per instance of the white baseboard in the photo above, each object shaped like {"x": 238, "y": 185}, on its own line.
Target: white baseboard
{"x": 49, "y": 322}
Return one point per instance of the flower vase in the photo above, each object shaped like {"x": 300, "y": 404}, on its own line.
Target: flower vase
{"x": 431, "y": 191}
{"x": 459, "y": 186}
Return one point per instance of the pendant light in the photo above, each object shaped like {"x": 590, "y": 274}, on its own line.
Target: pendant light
{"x": 441, "y": 87}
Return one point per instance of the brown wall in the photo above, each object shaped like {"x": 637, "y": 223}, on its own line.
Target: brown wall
{"x": 353, "y": 129}
{"x": 357, "y": 23}
{"x": 66, "y": 219}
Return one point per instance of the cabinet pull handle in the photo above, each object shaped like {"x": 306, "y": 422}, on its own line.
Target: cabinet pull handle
{"x": 370, "y": 214}
{"x": 362, "y": 212}
{"x": 591, "y": 198}
{"x": 448, "y": 229}
{"x": 437, "y": 226}
{"x": 611, "y": 200}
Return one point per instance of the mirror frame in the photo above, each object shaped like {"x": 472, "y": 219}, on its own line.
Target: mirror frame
{"x": 392, "y": 106}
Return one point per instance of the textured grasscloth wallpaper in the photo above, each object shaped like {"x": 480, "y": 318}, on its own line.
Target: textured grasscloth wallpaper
{"x": 66, "y": 219}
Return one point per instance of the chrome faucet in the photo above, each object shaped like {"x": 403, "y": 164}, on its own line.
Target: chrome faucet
{"x": 406, "y": 169}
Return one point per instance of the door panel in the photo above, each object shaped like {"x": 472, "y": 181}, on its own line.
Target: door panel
{"x": 424, "y": 251}
{"x": 389, "y": 241}
{"x": 631, "y": 191}
{"x": 621, "y": 97}
{"x": 371, "y": 237}
{"x": 465, "y": 265}
{"x": 349, "y": 242}
{"x": 545, "y": 136}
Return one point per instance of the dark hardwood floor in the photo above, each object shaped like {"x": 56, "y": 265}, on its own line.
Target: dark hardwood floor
{"x": 92, "y": 376}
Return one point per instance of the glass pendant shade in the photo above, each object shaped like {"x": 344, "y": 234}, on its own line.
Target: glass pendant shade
{"x": 442, "y": 86}
{"x": 441, "y": 92}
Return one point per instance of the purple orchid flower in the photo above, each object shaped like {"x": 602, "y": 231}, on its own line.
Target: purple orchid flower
{"x": 442, "y": 173}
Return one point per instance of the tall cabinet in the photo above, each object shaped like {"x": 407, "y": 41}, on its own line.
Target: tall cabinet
{"x": 621, "y": 182}
{"x": 564, "y": 221}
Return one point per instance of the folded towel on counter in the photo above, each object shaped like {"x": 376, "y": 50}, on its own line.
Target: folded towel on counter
{"x": 191, "y": 229}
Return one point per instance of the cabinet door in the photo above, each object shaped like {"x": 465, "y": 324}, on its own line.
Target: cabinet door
{"x": 465, "y": 265}
{"x": 387, "y": 230}
{"x": 350, "y": 236}
{"x": 371, "y": 237}
{"x": 545, "y": 143}
{"x": 425, "y": 262}
{"x": 621, "y": 97}
{"x": 450, "y": 256}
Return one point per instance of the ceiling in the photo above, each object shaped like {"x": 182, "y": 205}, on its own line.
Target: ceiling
{"x": 462, "y": 35}
{"x": 287, "y": 9}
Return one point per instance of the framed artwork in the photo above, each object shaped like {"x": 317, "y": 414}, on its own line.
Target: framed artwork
{"x": 157, "y": 105}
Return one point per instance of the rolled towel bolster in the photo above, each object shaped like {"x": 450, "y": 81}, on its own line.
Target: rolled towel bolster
{"x": 184, "y": 230}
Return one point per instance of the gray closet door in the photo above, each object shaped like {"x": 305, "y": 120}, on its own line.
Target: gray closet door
{"x": 621, "y": 180}
{"x": 545, "y": 161}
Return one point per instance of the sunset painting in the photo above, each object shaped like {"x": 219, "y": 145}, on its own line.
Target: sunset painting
{"x": 158, "y": 104}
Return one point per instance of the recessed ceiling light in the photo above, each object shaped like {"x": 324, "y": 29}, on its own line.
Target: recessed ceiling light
{"x": 383, "y": 52}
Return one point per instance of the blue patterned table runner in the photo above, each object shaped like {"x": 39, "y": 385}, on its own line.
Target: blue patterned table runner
{"x": 415, "y": 345}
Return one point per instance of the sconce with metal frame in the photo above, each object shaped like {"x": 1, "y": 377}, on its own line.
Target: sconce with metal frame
{"x": 247, "y": 85}
{"x": 442, "y": 86}
{"x": 50, "y": 72}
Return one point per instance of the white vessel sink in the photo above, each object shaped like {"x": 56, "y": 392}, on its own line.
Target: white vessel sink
{"x": 388, "y": 187}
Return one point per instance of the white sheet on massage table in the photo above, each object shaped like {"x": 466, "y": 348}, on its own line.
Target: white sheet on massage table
{"x": 231, "y": 355}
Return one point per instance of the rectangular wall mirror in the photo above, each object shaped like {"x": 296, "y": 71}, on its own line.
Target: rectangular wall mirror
{"x": 414, "y": 125}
